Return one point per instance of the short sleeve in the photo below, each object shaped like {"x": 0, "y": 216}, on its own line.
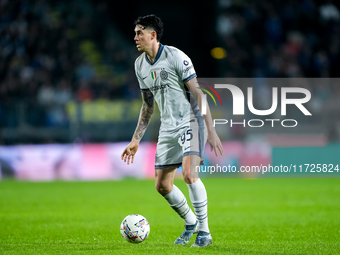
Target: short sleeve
{"x": 184, "y": 66}
{"x": 142, "y": 85}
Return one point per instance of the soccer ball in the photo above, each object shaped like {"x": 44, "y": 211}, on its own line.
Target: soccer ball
{"x": 135, "y": 228}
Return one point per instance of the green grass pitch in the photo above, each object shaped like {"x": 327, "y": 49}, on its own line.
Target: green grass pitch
{"x": 246, "y": 216}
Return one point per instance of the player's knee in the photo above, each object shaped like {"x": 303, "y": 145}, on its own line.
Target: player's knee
{"x": 163, "y": 188}
{"x": 188, "y": 178}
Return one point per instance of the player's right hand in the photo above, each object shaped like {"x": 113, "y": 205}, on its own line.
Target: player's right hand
{"x": 129, "y": 152}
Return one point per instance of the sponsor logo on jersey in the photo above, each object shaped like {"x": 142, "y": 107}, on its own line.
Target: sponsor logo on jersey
{"x": 164, "y": 74}
{"x": 185, "y": 62}
{"x": 187, "y": 69}
{"x": 153, "y": 75}
{"x": 161, "y": 86}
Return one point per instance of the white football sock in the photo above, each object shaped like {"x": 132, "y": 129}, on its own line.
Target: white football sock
{"x": 199, "y": 200}
{"x": 179, "y": 203}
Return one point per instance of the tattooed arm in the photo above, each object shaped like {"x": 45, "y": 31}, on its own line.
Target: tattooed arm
{"x": 144, "y": 115}
{"x": 143, "y": 122}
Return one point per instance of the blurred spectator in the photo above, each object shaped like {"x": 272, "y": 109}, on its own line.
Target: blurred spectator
{"x": 84, "y": 93}
{"x": 329, "y": 11}
{"x": 50, "y": 54}
{"x": 46, "y": 95}
{"x": 281, "y": 39}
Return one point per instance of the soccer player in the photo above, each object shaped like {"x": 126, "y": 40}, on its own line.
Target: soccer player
{"x": 166, "y": 74}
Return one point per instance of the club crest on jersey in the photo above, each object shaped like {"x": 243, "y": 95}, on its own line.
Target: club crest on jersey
{"x": 164, "y": 74}
{"x": 153, "y": 75}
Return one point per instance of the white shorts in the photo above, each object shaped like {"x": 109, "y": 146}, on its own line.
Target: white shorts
{"x": 173, "y": 146}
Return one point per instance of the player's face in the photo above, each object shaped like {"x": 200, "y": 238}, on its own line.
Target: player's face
{"x": 142, "y": 38}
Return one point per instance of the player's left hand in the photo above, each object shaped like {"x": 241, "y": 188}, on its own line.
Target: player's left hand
{"x": 215, "y": 142}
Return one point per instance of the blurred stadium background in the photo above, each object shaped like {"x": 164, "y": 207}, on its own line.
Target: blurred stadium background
{"x": 69, "y": 103}
{"x": 67, "y": 79}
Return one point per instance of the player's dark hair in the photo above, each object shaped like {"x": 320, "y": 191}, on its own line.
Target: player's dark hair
{"x": 151, "y": 21}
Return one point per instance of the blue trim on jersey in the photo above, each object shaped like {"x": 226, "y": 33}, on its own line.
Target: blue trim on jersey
{"x": 201, "y": 139}
{"x": 190, "y": 77}
{"x": 167, "y": 166}
{"x": 161, "y": 47}
{"x": 191, "y": 153}
{"x": 194, "y": 107}
{"x": 144, "y": 90}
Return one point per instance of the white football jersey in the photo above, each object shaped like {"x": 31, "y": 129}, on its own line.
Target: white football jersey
{"x": 166, "y": 78}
